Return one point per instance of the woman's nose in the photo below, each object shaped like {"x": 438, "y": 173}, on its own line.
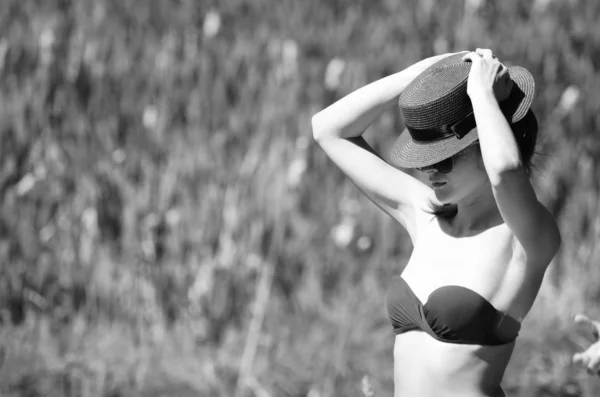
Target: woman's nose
{"x": 427, "y": 169}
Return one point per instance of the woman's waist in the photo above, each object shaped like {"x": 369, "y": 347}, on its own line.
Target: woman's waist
{"x": 420, "y": 360}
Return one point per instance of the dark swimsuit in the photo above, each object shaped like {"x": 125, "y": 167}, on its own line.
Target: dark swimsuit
{"x": 451, "y": 314}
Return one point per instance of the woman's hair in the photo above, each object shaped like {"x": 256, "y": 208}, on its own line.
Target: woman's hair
{"x": 525, "y": 131}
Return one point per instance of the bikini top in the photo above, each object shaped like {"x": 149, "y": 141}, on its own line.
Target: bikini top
{"x": 451, "y": 314}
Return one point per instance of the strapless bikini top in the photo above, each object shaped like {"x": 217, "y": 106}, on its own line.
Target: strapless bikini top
{"x": 452, "y": 314}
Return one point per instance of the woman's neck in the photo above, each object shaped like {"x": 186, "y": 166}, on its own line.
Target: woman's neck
{"x": 474, "y": 215}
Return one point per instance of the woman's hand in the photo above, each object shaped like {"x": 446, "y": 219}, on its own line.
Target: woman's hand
{"x": 487, "y": 75}
{"x": 420, "y": 66}
{"x": 590, "y": 358}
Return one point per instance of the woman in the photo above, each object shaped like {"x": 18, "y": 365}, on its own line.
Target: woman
{"x": 482, "y": 240}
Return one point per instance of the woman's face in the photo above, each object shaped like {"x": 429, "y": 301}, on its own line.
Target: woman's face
{"x": 467, "y": 179}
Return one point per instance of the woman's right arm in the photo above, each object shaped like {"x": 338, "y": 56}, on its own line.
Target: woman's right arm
{"x": 338, "y": 129}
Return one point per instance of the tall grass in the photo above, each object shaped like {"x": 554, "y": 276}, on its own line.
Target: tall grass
{"x": 167, "y": 226}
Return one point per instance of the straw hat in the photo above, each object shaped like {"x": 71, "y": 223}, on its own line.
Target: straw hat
{"x": 439, "y": 116}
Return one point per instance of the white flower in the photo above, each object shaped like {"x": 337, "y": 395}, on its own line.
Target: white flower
{"x": 47, "y": 232}
{"x": 212, "y": 24}
{"x": 90, "y": 220}
{"x": 203, "y": 283}
{"x": 364, "y": 243}
{"x": 296, "y": 171}
{"x": 173, "y": 217}
{"x": 150, "y": 117}
{"x": 285, "y": 56}
{"x": 26, "y": 184}
{"x": 343, "y": 233}
{"x": 473, "y": 5}
{"x": 568, "y": 100}
{"x": 290, "y": 58}
{"x": 47, "y": 39}
{"x": 333, "y": 73}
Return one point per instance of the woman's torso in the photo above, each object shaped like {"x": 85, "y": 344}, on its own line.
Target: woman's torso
{"x": 489, "y": 264}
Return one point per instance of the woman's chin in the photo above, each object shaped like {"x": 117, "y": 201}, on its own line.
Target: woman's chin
{"x": 442, "y": 195}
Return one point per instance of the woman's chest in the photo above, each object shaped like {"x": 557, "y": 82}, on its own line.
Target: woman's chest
{"x": 478, "y": 263}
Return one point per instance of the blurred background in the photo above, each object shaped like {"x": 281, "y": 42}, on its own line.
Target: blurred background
{"x": 169, "y": 228}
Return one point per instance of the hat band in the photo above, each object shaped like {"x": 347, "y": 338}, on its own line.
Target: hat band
{"x": 458, "y": 129}
{"x": 462, "y": 127}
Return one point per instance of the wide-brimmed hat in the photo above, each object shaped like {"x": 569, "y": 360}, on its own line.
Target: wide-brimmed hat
{"x": 438, "y": 114}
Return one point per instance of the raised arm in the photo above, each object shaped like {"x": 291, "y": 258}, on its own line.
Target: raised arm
{"x": 533, "y": 225}
{"x": 338, "y": 130}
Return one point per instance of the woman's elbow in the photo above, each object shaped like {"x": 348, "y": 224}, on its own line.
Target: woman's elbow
{"x": 504, "y": 171}
{"x": 316, "y": 127}
{"x": 320, "y": 129}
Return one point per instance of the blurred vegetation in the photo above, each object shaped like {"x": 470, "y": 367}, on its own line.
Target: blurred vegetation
{"x": 167, "y": 226}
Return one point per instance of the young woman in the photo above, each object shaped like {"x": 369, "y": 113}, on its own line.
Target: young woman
{"x": 482, "y": 241}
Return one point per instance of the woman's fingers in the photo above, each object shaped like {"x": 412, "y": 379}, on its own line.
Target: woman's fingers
{"x": 594, "y": 364}
{"x": 487, "y": 72}
{"x": 581, "y": 318}
{"x": 486, "y": 53}
{"x": 595, "y": 325}
{"x": 581, "y": 359}
{"x": 481, "y": 53}
{"x": 471, "y": 56}
{"x": 589, "y": 359}
{"x": 504, "y": 83}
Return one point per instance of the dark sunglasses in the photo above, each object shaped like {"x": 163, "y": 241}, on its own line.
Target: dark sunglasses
{"x": 444, "y": 167}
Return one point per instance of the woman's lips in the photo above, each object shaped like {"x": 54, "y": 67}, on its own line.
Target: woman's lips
{"x": 437, "y": 184}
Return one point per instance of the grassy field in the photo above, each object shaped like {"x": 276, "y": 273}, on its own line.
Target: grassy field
{"x": 168, "y": 227}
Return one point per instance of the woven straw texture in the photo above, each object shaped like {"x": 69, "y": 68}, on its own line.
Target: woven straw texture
{"x": 438, "y": 96}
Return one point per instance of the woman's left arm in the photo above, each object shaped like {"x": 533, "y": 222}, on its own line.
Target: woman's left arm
{"x": 530, "y": 221}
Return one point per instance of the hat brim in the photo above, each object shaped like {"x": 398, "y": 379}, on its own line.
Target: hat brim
{"x": 408, "y": 153}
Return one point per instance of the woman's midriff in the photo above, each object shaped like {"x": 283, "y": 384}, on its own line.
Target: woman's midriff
{"x": 424, "y": 366}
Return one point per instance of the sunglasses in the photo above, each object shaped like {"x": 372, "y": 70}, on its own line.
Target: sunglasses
{"x": 443, "y": 167}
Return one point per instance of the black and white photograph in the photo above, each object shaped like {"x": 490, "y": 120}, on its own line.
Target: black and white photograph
{"x": 299, "y": 198}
